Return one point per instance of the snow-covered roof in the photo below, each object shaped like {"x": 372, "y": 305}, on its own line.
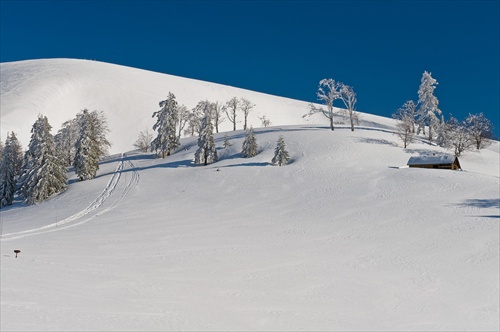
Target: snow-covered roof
{"x": 431, "y": 160}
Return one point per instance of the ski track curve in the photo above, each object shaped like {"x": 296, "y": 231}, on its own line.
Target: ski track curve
{"x": 75, "y": 219}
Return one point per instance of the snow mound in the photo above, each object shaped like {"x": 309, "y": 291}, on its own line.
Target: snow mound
{"x": 60, "y": 88}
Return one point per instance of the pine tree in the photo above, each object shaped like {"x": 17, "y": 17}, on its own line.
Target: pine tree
{"x": 44, "y": 173}
{"x": 87, "y": 153}
{"x": 8, "y": 172}
{"x": 206, "y": 153}
{"x": 249, "y": 148}
{"x": 428, "y": 105}
{"x": 167, "y": 119}
{"x": 281, "y": 155}
{"x": 226, "y": 143}
{"x": 65, "y": 140}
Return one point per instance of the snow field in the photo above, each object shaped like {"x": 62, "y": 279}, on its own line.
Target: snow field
{"x": 60, "y": 88}
{"x": 339, "y": 239}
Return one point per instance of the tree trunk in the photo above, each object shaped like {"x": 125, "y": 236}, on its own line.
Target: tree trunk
{"x": 331, "y": 123}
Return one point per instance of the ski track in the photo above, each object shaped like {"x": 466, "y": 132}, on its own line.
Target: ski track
{"x": 74, "y": 220}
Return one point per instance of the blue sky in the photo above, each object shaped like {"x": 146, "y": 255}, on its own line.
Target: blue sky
{"x": 285, "y": 48}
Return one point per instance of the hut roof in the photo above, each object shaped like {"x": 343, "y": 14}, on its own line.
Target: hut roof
{"x": 432, "y": 160}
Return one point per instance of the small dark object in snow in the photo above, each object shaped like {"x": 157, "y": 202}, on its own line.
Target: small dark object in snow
{"x": 17, "y": 252}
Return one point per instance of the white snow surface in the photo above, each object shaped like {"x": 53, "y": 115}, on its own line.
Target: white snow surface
{"x": 340, "y": 239}
{"x": 60, "y": 88}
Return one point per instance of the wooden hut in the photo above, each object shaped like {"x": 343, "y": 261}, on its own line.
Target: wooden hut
{"x": 440, "y": 162}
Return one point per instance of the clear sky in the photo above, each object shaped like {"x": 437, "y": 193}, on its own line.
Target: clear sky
{"x": 285, "y": 48}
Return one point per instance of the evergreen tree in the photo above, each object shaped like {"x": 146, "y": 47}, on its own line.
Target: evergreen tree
{"x": 206, "y": 152}
{"x": 226, "y": 143}
{"x": 167, "y": 120}
{"x": 65, "y": 140}
{"x": 428, "y": 105}
{"x": 44, "y": 173}
{"x": 249, "y": 148}
{"x": 280, "y": 153}
{"x": 86, "y": 160}
{"x": 8, "y": 172}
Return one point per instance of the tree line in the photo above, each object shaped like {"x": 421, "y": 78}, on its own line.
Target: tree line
{"x": 41, "y": 171}
{"x": 414, "y": 118}
{"x": 202, "y": 119}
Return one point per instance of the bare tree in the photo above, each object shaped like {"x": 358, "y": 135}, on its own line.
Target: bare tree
{"x": 480, "y": 129}
{"x": 246, "y": 107}
{"x": 193, "y": 123}
{"x": 265, "y": 121}
{"x": 404, "y": 130}
{"x": 184, "y": 115}
{"x": 231, "y": 109}
{"x": 408, "y": 110}
{"x": 218, "y": 110}
{"x": 348, "y": 97}
{"x": 328, "y": 92}
{"x": 458, "y": 136}
{"x": 144, "y": 140}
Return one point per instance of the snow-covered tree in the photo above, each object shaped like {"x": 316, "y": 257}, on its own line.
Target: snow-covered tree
{"x": 184, "y": 115}
{"x": 218, "y": 110}
{"x": 91, "y": 143}
{"x": 86, "y": 160}
{"x": 328, "y": 92}
{"x": 207, "y": 152}
{"x": 246, "y": 107}
{"x": 428, "y": 110}
{"x": 167, "y": 118}
{"x": 480, "y": 128}
{"x": 231, "y": 109}
{"x": 348, "y": 97}
{"x": 404, "y": 130}
{"x": 9, "y": 170}
{"x": 407, "y": 112}
{"x": 226, "y": 144}
{"x": 249, "y": 148}
{"x": 44, "y": 173}
{"x": 265, "y": 122}
{"x": 143, "y": 142}
{"x": 65, "y": 140}
{"x": 441, "y": 133}
{"x": 458, "y": 136}
{"x": 194, "y": 123}
{"x": 281, "y": 156}
{"x": 16, "y": 151}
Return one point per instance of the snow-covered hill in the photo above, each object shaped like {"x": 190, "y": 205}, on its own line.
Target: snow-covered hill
{"x": 339, "y": 239}
{"x": 60, "y": 88}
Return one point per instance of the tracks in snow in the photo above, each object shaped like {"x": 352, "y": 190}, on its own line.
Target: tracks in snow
{"x": 94, "y": 209}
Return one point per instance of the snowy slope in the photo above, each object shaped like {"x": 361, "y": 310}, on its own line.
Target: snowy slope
{"x": 60, "y": 88}
{"x": 340, "y": 239}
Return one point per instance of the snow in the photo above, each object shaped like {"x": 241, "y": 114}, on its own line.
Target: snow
{"x": 425, "y": 160}
{"x": 60, "y": 88}
{"x": 341, "y": 238}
